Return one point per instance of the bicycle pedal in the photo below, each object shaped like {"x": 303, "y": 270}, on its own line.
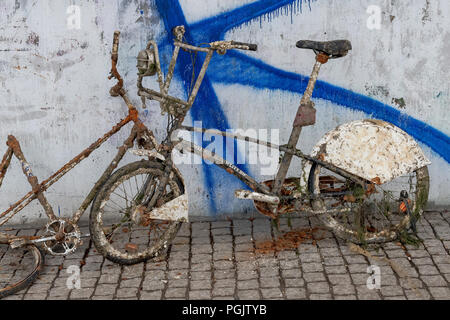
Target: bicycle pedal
{"x": 249, "y": 195}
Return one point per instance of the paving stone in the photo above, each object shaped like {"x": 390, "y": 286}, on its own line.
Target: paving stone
{"x": 419, "y": 294}
{"x": 223, "y": 291}
{"x": 291, "y": 273}
{"x": 440, "y": 293}
{"x": 339, "y": 279}
{"x": 333, "y": 261}
{"x": 199, "y": 295}
{"x": 175, "y": 293}
{"x": 318, "y": 287}
{"x": 314, "y": 277}
{"x": 271, "y": 282}
{"x": 345, "y": 297}
{"x": 178, "y": 274}
{"x": 223, "y": 265}
{"x": 151, "y": 295}
{"x": 39, "y": 288}
{"x": 83, "y": 293}
{"x": 127, "y": 293}
{"x": 131, "y": 283}
{"x": 34, "y": 296}
{"x": 105, "y": 289}
{"x": 247, "y": 284}
{"x": 344, "y": 289}
{"x": 335, "y": 269}
{"x": 108, "y": 278}
{"x": 294, "y": 282}
{"x": 388, "y": 291}
{"x": 289, "y": 264}
{"x": 200, "y": 284}
{"x": 270, "y": 271}
{"x": 201, "y": 258}
{"x": 434, "y": 281}
{"x": 444, "y": 268}
{"x": 248, "y": 295}
{"x": 223, "y": 274}
{"x": 271, "y": 293}
{"x": 312, "y": 267}
{"x": 363, "y": 293}
{"x": 320, "y": 296}
{"x": 246, "y": 275}
{"x": 427, "y": 270}
{"x": 295, "y": 293}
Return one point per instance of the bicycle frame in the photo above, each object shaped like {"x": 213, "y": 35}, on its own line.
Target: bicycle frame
{"x": 164, "y": 99}
{"x": 139, "y": 132}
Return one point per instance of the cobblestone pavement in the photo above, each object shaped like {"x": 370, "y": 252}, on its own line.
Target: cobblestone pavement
{"x": 218, "y": 260}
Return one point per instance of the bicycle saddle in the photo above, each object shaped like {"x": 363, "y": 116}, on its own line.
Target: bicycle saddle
{"x": 334, "y": 49}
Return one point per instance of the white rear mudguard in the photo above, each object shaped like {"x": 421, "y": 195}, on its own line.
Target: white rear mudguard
{"x": 371, "y": 149}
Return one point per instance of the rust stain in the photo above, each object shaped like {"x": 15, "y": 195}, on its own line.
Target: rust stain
{"x": 290, "y": 240}
{"x": 376, "y": 180}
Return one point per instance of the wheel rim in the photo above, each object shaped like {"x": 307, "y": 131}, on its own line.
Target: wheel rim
{"x": 18, "y": 268}
{"x": 117, "y": 228}
{"x": 377, "y": 218}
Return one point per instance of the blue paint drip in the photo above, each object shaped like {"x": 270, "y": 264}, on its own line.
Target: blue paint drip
{"x": 213, "y": 28}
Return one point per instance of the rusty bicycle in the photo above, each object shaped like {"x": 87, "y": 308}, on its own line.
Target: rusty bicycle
{"x": 366, "y": 180}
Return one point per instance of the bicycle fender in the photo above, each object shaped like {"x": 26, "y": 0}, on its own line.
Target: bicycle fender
{"x": 372, "y": 149}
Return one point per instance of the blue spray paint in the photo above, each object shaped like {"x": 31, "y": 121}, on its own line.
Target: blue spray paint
{"x": 255, "y": 73}
{"x": 206, "y": 108}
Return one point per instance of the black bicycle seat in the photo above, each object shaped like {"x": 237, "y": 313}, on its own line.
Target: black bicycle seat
{"x": 334, "y": 49}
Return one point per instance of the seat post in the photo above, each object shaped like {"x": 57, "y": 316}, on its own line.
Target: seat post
{"x": 321, "y": 58}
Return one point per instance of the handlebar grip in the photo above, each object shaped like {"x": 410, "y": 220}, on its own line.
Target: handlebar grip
{"x": 251, "y": 46}
{"x": 115, "y": 48}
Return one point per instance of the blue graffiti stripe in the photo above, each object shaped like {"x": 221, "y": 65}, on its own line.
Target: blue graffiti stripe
{"x": 213, "y": 28}
{"x": 252, "y": 72}
{"x": 255, "y": 73}
{"x": 207, "y": 107}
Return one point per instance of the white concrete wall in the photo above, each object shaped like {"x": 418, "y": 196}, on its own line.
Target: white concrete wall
{"x": 54, "y": 89}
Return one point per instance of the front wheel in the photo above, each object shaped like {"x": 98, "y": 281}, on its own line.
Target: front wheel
{"x": 367, "y": 216}
{"x": 115, "y": 232}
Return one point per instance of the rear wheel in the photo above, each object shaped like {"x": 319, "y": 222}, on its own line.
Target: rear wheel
{"x": 370, "y": 215}
{"x": 19, "y": 268}
{"x": 114, "y": 230}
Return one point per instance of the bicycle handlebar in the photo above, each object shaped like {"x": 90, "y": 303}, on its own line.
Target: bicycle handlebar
{"x": 222, "y": 46}
{"x": 244, "y": 46}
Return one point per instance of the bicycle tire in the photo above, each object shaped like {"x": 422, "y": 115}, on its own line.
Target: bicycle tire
{"x": 97, "y": 215}
{"x": 39, "y": 260}
{"x": 379, "y": 236}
